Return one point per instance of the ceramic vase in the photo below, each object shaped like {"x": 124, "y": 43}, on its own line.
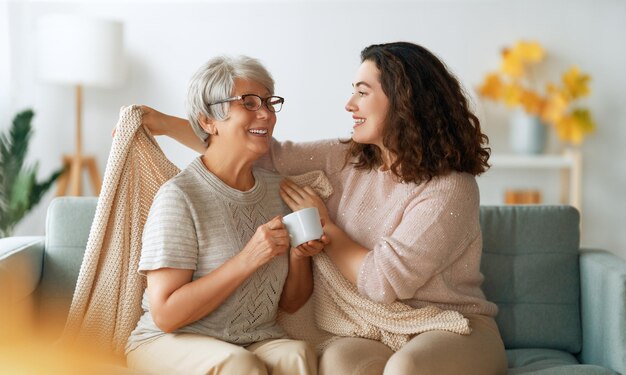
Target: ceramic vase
{"x": 528, "y": 135}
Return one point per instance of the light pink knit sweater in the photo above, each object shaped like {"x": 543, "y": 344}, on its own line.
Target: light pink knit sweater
{"x": 425, "y": 241}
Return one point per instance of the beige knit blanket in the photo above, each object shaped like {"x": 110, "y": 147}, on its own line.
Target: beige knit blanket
{"x": 107, "y": 300}
{"x": 343, "y": 311}
{"x": 339, "y": 310}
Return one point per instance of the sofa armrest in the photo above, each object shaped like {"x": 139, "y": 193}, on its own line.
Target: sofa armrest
{"x": 21, "y": 261}
{"x": 603, "y": 309}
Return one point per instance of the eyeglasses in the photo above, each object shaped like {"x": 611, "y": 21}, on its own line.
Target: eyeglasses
{"x": 253, "y": 102}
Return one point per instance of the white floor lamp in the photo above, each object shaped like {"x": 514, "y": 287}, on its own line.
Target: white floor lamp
{"x": 83, "y": 52}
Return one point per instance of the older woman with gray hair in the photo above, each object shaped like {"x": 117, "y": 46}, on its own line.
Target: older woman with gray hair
{"x": 215, "y": 251}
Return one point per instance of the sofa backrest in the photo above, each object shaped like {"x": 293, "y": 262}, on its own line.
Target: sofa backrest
{"x": 530, "y": 263}
{"x": 67, "y": 228}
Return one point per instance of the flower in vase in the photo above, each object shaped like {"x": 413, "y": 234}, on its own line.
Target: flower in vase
{"x": 554, "y": 105}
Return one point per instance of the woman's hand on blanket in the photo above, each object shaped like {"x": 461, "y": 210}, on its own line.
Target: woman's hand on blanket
{"x": 298, "y": 198}
{"x": 270, "y": 240}
{"x": 310, "y": 248}
{"x": 151, "y": 119}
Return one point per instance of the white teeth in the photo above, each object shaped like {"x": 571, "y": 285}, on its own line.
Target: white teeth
{"x": 258, "y": 131}
{"x": 359, "y": 120}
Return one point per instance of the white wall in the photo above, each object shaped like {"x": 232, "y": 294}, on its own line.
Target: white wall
{"x": 5, "y": 68}
{"x": 313, "y": 48}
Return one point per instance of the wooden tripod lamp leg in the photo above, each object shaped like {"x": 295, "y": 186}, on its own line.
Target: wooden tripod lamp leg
{"x": 75, "y": 177}
{"x": 65, "y": 177}
{"x": 75, "y": 163}
{"x": 72, "y": 177}
{"x": 94, "y": 176}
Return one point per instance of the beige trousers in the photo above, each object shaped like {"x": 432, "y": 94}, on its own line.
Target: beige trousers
{"x": 191, "y": 354}
{"x": 434, "y": 352}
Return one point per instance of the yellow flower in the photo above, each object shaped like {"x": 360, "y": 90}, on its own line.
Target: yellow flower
{"x": 555, "y": 107}
{"x": 530, "y": 52}
{"x": 514, "y": 60}
{"x": 512, "y": 64}
{"x": 512, "y": 95}
{"x": 531, "y": 101}
{"x": 567, "y": 131}
{"x": 576, "y": 84}
{"x": 493, "y": 87}
{"x": 573, "y": 127}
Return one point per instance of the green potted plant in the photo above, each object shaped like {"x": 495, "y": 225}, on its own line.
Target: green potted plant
{"x": 19, "y": 189}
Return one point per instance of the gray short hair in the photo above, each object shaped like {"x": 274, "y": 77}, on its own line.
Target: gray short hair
{"x": 214, "y": 81}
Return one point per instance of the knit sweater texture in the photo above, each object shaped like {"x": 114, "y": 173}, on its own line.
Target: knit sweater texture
{"x": 197, "y": 222}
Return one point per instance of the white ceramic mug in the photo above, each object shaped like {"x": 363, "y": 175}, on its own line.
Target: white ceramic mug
{"x": 303, "y": 225}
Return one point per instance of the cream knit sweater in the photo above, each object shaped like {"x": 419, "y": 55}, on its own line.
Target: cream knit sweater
{"x": 424, "y": 239}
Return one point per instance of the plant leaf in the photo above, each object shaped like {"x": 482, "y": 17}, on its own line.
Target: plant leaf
{"x": 19, "y": 189}
{"x": 19, "y": 199}
{"x": 40, "y": 188}
{"x": 576, "y": 83}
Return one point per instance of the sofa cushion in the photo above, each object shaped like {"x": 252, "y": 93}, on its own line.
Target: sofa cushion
{"x": 530, "y": 263}
{"x": 603, "y": 310}
{"x": 548, "y": 362}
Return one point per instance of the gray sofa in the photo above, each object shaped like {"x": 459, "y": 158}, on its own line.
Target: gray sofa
{"x": 562, "y": 309}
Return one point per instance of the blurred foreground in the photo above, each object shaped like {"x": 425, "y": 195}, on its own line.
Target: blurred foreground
{"x": 30, "y": 345}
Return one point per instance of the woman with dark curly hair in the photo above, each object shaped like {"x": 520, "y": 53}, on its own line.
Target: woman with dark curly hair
{"x": 404, "y": 218}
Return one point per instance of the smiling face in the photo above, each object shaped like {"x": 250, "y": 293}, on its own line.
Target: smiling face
{"x": 245, "y": 133}
{"x": 369, "y": 105}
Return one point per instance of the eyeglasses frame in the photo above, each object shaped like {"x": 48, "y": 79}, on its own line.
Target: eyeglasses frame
{"x": 263, "y": 101}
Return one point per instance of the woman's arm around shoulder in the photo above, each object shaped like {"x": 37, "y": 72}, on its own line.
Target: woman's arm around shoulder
{"x": 293, "y": 158}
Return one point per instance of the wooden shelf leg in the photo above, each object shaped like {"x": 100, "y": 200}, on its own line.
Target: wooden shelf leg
{"x": 566, "y": 188}
{"x": 576, "y": 181}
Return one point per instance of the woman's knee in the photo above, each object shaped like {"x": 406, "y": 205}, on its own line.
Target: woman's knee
{"x": 300, "y": 358}
{"x": 300, "y": 349}
{"x": 354, "y": 356}
{"x": 240, "y": 362}
{"x": 441, "y": 352}
{"x": 401, "y": 363}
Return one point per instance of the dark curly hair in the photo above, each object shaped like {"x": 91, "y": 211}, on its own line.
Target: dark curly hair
{"x": 429, "y": 127}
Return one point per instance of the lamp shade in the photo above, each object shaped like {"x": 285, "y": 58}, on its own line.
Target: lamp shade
{"x": 79, "y": 50}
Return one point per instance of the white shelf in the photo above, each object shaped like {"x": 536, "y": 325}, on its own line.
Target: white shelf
{"x": 569, "y": 163}
{"x": 532, "y": 161}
